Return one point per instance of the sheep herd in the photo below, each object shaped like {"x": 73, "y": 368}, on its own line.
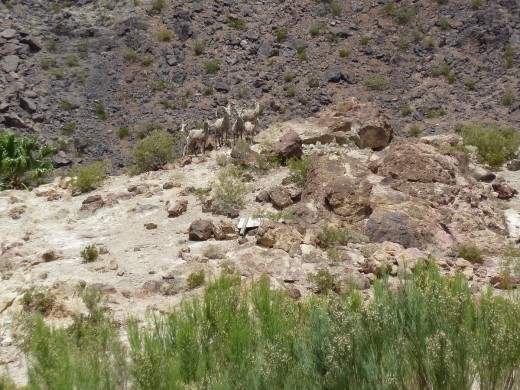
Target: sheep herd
{"x": 244, "y": 126}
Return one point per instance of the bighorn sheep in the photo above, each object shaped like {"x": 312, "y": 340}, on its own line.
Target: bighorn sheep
{"x": 222, "y": 125}
{"x": 196, "y": 137}
{"x": 238, "y": 127}
{"x": 251, "y": 115}
{"x": 250, "y": 130}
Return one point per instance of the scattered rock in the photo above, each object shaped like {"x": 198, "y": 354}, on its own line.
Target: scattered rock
{"x": 168, "y": 185}
{"x": 225, "y": 231}
{"x": 290, "y": 145}
{"x": 150, "y": 226}
{"x": 50, "y": 255}
{"x": 201, "y": 230}
{"x": 280, "y": 197}
{"x": 179, "y": 208}
{"x": 113, "y": 265}
{"x": 503, "y": 190}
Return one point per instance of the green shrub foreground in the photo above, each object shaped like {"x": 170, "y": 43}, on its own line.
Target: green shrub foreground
{"x": 430, "y": 333}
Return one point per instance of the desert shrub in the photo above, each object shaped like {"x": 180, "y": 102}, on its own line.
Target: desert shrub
{"x": 508, "y": 98}
{"x": 364, "y": 40}
{"x": 428, "y": 42}
{"x": 99, "y": 108}
{"x": 68, "y": 128}
{"x": 47, "y": 63}
{"x": 324, "y": 280}
{"x": 199, "y": 48}
{"x": 475, "y": 4}
{"x": 451, "y": 78}
{"x": 67, "y": 105}
{"x": 290, "y": 91}
{"x": 331, "y": 236}
{"x": 495, "y": 144}
{"x": 441, "y": 70}
{"x": 301, "y": 53}
{"x": 89, "y": 177}
{"x": 444, "y": 24}
{"x": 299, "y": 169}
{"x": 435, "y": 112}
{"x": 159, "y": 85}
{"x": 344, "y": 53}
{"x": 314, "y": 82}
{"x": 72, "y": 60}
{"x": 168, "y": 104}
{"x": 195, "y": 279}
{"x": 415, "y": 131}
{"x": 315, "y": 29}
{"x": 90, "y": 253}
{"x": 22, "y": 163}
{"x": 154, "y": 151}
{"x": 288, "y": 76}
{"x": 164, "y": 35}
{"x": 281, "y": 34}
{"x": 416, "y": 35}
{"x": 332, "y": 38}
{"x": 130, "y": 55}
{"x": 207, "y": 91}
{"x": 406, "y": 109}
{"x": 336, "y": 9}
{"x": 376, "y": 83}
{"x": 147, "y": 60}
{"x": 470, "y": 84}
{"x": 123, "y": 132}
{"x": 82, "y": 47}
{"x": 236, "y": 23}
{"x": 211, "y": 67}
{"x": 38, "y": 300}
{"x": 228, "y": 190}
{"x": 470, "y": 252}
{"x": 59, "y": 73}
{"x": 156, "y": 7}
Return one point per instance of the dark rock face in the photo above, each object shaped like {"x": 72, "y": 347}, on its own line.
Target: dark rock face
{"x": 290, "y": 145}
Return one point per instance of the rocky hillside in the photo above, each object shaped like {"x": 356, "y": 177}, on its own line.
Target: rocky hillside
{"x": 92, "y": 77}
{"x": 150, "y": 240}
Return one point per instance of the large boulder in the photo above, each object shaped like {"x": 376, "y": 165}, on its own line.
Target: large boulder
{"x": 201, "y": 230}
{"x": 290, "y": 145}
{"x": 174, "y": 210}
{"x": 277, "y": 235}
{"x": 280, "y": 197}
{"x": 340, "y": 185}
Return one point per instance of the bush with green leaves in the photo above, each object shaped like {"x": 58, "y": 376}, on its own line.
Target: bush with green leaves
{"x": 195, "y": 279}
{"x": 228, "y": 190}
{"x": 38, "y": 300}
{"x": 331, "y": 236}
{"x": 323, "y": 280}
{"x": 495, "y": 144}
{"x": 99, "y": 108}
{"x": 299, "y": 169}
{"x": 22, "y": 162}
{"x": 470, "y": 252}
{"x": 90, "y": 253}
{"x": 152, "y": 152}
{"x": 211, "y": 66}
{"x": 376, "y": 83}
{"x": 429, "y": 333}
{"x": 89, "y": 177}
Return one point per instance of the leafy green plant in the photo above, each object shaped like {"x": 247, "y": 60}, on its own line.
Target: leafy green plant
{"x": 89, "y": 177}
{"x": 364, "y": 40}
{"x": 47, "y": 63}
{"x": 415, "y": 131}
{"x": 315, "y": 29}
{"x": 376, "y": 83}
{"x": 434, "y": 112}
{"x": 406, "y": 109}
{"x": 344, "y": 53}
{"x": 324, "y": 280}
{"x": 38, "y": 300}
{"x": 130, "y": 55}
{"x": 470, "y": 84}
{"x": 228, "y": 190}
{"x": 288, "y": 76}
{"x": 99, "y": 108}
{"x": 290, "y": 91}
{"x": 299, "y": 169}
{"x": 281, "y": 34}
{"x": 152, "y": 152}
{"x": 442, "y": 70}
{"x": 72, "y": 60}
{"x": 156, "y": 7}
{"x": 495, "y": 144}
{"x": 211, "y": 67}
{"x": 82, "y": 47}
{"x": 301, "y": 53}
{"x": 470, "y": 252}
{"x": 21, "y": 161}
{"x": 68, "y": 128}
{"x": 509, "y": 56}
{"x": 90, "y": 253}
{"x": 195, "y": 279}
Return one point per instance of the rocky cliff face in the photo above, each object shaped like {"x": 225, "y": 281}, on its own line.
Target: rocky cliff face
{"x": 78, "y": 72}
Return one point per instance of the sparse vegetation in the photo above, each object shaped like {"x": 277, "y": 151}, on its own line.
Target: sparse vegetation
{"x": 168, "y": 104}
{"x": 199, "y": 48}
{"x": 213, "y": 251}
{"x": 442, "y": 70}
{"x": 164, "y": 35}
{"x": 331, "y": 236}
{"x": 475, "y": 4}
{"x": 290, "y": 91}
{"x": 495, "y": 144}
{"x": 364, "y": 40}
{"x": 444, "y": 24}
{"x": 211, "y": 67}
{"x": 315, "y": 29}
{"x": 429, "y": 43}
{"x": 281, "y": 34}
{"x": 82, "y": 47}
{"x": 207, "y": 91}
{"x": 47, "y": 63}
{"x": 72, "y": 60}
{"x": 508, "y": 98}
{"x": 415, "y": 131}
{"x": 470, "y": 84}
{"x": 123, "y": 132}
{"x": 299, "y": 169}
{"x": 99, "y": 108}
{"x": 416, "y": 35}
{"x": 195, "y": 279}
{"x": 228, "y": 190}
{"x": 90, "y": 253}
{"x": 58, "y": 73}
{"x": 435, "y": 112}
{"x": 376, "y": 83}
{"x": 152, "y": 152}
{"x": 314, "y": 82}
{"x": 401, "y": 15}
{"x": 470, "y": 252}
{"x": 406, "y": 109}
{"x": 68, "y": 128}
{"x": 130, "y": 55}
{"x": 67, "y": 105}
{"x": 288, "y": 76}
{"x": 325, "y": 282}
{"x": 89, "y": 177}
{"x": 301, "y": 53}
{"x": 509, "y": 56}
{"x": 344, "y": 53}
{"x": 156, "y": 7}
{"x": 38, "y": 300}
{"x": 237, "y": 23}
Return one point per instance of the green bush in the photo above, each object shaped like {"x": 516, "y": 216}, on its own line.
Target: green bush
{"x": 509, "y": 56}
{"x": 156, "y": 7}
{"x": 21, "y": 161}
{"x": 324, "y": 280}
{"x": 154, "y": 151}
{"x": 68, "y": 106}
{"x": 123, "y": 132}
{"x": 376, "y": 83}
{"x": 442, "y": 70}
{"x": 130, "y": 55}
{"x": 281, "y": 34}
{"x": 470, "y": 252}
{"x": 290, "y": 91}
{"x": 211, "y": 67}
{"x": 495, "y": 144}
{"x": 72, "y": 60}
{"x": 508, "y": 98}
{"x": 89, "y": 254}
{"x": 47, "y": 63}
{"x": 228, "y": 190}
{"x": 415, "y": 131}
{"x": 89, "y": 177}
{"x": 301, "y": 53}
{"x": 343, "y": 53}
{"x": 236, "y": 23}
{"x": 199, "y": 48}
{"x": 38, "y": 300}
{"x": 299, "y": 169}
{"x": 314, "y": 82}
{"x": 195, "y": 279}
{"x": 315, "y": 29}
{"x": 164, "y": 35}
{"x": 364, "y": 40}
{"x": 288, "y": 76}
{"x": 99, "y": 108}
{"x": 331, "y": 236}
{"x": 429, "y": 333}
{"x": 406, "y": 109}
{"x": 68, "y": 128}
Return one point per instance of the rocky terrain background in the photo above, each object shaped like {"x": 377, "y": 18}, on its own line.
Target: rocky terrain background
{"x": 77, "y": 72}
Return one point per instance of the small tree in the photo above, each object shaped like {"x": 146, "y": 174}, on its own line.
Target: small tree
{"x": 154, "y": 151}
{"x": 21, "y": 161}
